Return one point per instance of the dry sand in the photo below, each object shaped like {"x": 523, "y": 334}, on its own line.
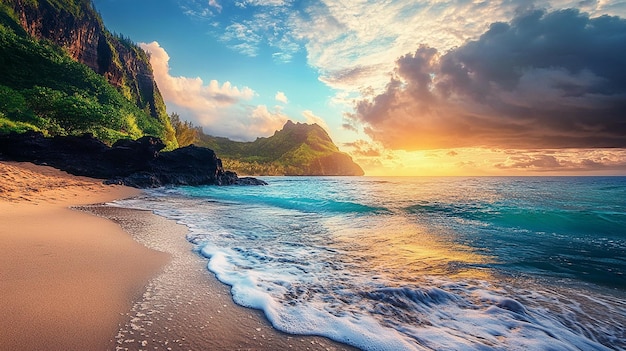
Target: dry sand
{"x": 72, "y": 281}
{"x": 66, "y": 277}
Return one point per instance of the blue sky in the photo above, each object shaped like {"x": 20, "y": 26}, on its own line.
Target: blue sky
{"x": 442, "y": 87}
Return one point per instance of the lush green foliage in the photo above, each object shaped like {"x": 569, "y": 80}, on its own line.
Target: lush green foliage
{"x": 294, "y": 150}
{"x": 42, "y": 88}
{"x": 186, "y": 132}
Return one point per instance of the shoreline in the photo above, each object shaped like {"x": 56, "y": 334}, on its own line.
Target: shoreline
{"x": 185, "y": 307}
{"x": 111, "y": 278}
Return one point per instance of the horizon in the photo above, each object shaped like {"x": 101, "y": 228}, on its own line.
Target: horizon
{"x": 408, "y": 89}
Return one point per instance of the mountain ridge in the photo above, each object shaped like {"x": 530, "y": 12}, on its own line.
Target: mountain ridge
{"x": 296, "y": 149}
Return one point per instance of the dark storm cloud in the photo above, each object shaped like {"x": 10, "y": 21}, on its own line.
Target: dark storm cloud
{"x": 544, "y": 80}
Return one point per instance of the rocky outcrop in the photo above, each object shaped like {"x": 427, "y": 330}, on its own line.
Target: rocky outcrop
{"x": 77, "y": 27}
{"x": 137, "y": 163}
{"x": 338, "y": 163}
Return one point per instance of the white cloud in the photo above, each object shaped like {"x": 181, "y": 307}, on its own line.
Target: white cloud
{"x": 281, "y": 97}
{"x": 191, "y": 93}
{"x": 311, "y": 118}
{"x": 267, "y": 121}
{"x": 217, "y": 107}
{"x": 215, "y": 4}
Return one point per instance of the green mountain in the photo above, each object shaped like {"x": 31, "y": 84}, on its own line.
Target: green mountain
{"x": 62, "y": 72}
{"x": 297, "y": 149}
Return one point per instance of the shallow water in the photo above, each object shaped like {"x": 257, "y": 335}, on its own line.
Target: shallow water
{"x": 419, "y": 263}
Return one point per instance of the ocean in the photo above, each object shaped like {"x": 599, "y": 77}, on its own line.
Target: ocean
{"x": 419, "y": 263}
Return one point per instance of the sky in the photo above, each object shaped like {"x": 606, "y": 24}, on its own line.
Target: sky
{"x": 433, "y": 87}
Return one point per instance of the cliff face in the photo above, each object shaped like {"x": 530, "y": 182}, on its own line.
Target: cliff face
{"x": 77, "y": 27}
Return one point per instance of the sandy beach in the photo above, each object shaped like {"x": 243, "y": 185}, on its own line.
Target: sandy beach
{"x": 70, "y": 280}
{"x": 66, "y": 277}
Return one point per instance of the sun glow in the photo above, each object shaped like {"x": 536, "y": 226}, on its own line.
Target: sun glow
{"x": 495, "y": 162}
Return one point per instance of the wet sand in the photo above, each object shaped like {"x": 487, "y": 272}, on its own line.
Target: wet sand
{"x": 186, "y": 307}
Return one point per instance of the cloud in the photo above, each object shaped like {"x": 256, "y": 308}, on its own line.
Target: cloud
{"x": 565, "y": 161}
{"x": 353, "y": 44}
{"x": 544, "y": 80}
{"x": 281, "y": 97}
{"x": 362, "y": 148}
{"x": 218, "y": 108}
{"x": 311, "y": 118}
{"x": 216, "y": 5}
{"x": 191, "y": 93}
{"x": 268, "y": 121}
{"x": 257, "y": 25}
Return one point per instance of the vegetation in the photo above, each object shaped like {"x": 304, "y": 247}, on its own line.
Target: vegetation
{"x": 186, "y": 132}
{"x": 42, "y": 88}
{"x": 295, "y": 150}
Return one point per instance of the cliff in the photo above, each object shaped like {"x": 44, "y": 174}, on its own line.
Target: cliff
{"x": 296, "y": 149}
{"x": 78, "y": 28}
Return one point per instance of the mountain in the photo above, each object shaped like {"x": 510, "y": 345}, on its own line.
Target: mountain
{"x": 297, "y": 149}
{"x": 62, "y": 72}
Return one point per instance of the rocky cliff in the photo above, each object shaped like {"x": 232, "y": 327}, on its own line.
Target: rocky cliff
{"x": 77, "y": 27}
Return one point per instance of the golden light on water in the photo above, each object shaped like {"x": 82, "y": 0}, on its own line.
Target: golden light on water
{"x": 410, "y": 251}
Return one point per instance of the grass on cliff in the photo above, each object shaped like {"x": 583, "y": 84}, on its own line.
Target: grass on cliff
{"x": 42, "y": 88}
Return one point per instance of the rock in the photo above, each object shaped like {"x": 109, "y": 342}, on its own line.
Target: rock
{"x": 137, "y": 163}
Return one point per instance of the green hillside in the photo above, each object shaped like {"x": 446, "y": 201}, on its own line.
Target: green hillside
{"x": 43, "y": 88}
{"x": 297, "y": 149}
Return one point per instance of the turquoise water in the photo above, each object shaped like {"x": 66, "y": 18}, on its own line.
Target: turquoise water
{"x": 420, "y": 263}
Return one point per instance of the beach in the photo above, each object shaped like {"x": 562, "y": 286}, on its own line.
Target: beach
{"x": 65, "y": 277}
{"x": 70, "y": 280}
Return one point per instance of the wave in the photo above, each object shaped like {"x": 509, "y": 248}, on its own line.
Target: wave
{"x": 298, "y": 203}
{"x": 446, "y": 315}
{"x": 300, "y": 254}
{"x": 549, "y": 220}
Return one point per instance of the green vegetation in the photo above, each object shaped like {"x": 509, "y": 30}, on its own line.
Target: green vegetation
{"x": 297, "y": 149}
{"x": 42, "y": 88}
{"x": 186, "y": 132}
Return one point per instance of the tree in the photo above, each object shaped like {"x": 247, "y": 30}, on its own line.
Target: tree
{"x": 186, "y": 132}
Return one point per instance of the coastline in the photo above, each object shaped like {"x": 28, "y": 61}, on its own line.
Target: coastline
{"x": 185, "y": 307}
{"x": 77, "y": 281}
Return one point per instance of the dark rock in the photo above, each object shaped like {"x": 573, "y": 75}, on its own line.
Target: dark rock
{"x": 137, "y": 163}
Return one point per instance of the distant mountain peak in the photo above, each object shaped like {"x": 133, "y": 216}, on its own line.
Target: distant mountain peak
{"x": 297, "y": 149}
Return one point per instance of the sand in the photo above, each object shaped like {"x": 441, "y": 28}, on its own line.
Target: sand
{"x": 186, "y": 307}
{"x": 73, "y": 281}
{"x": 66, "y": 277}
